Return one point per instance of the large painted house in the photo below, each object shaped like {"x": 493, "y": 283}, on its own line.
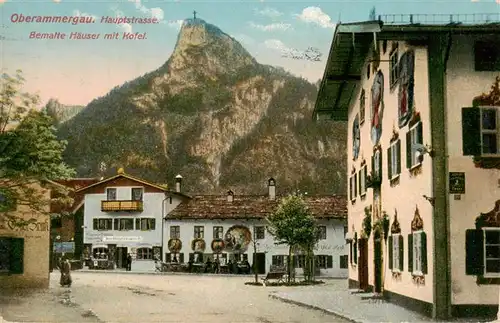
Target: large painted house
{"x": 226, "y": 226}
{"x": 422, "y": 105}
{"x": 124, "y": 215}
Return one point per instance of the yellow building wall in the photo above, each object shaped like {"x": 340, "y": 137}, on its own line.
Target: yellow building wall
{"x": 408, "y": 194}
{"x": 36, "y": 249}
{"x": 482, "y": 188}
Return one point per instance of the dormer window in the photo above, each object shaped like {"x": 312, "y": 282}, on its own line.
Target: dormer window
{"x": 271, "y": 182}
{"x": 230, "y": 196}
{"x": 111, "y": 194}
{"x": 137, "y": 194}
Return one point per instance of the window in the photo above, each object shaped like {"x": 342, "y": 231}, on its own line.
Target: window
{"x": 11, "y": 255}
{"x": 322, "y": 232}
{"x": 144, "y": 254}
{"x": 222, "y": 258}
{"x": 489, "y": 132}
{"x": 396, "y": 252}
{"x": 175, "y": 232}
{"x": 353, "y": 193}
{"x": 280, "y": 260}
{"x": 199, "y": 232}
{"x": 145, "y": 224}
{"x": 124, "y": 224}
{"x": 324, "y": 261}
{"x": 218, "y": 232}
{"x": 492, "y": 252}
{"x": 362, "y": 105}
{"x": 417, "y": 253}
{"x": 111, "y": 194}
{"x": 103, "y": 224}
{"x": 346, "y": 229}
{"x": 137, "y": 194}
{"x": 363, "y": 173}
{"x": 394, "y": 67}
{"x": 100, "y": 253}
{"x": 300, "y": 261}
{"x": 7, "y": 202}
{"x": 487, "y": 56}
{"x": 413, "y": 137}
{"x": 174, "y": 257}
{"x": 480, "y": 131}
{"x": 394, "y": 159}
{"x": 56, "y": 223}
{"x": 343, "y": 261}
{"x": 259, "y": 232}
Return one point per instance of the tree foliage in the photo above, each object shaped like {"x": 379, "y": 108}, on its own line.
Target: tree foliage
{"x": 30, "y": 153}
{"x": 294, "y": 225}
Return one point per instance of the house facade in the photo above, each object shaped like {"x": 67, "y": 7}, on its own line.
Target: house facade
{"x": 226, "y": 227}
{"x": 421, "y": 103}
{"x": 124, "y": 215}
{"x": 24, "y": 243}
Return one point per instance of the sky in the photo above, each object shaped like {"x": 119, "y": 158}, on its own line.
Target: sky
{"x": 77, "y": 71}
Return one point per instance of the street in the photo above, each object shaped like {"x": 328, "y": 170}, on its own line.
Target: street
{"x": 105, "y": 297}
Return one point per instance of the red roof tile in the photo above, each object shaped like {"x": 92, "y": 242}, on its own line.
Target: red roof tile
{"x": 253, "y": 206}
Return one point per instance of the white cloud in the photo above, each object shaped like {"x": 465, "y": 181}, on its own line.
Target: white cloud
{"x": 316, "y": 16}
{"x": 276, "y": 44}
{"x": 269, "y": 12}
{"x": 177, "y": 24}
{"x": 56, "y": 1}
{"x": 124, "y": 26}
{"x": 78, "y": 13}
{"x": 153, "y": 12}
{"x": 271, "y": 27}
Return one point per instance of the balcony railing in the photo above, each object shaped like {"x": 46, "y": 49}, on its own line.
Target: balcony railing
{"x": 440, "y": 19}
{"x": 116, "y": 206}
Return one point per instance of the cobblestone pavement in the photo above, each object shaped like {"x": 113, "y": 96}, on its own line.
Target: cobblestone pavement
{"x": 110, "y": 297}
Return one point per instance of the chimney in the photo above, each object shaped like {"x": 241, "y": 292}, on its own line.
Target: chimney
{"x": 271, "y": 185}
{"x": 230, "y": 196}
{"x": 178, "y": 183}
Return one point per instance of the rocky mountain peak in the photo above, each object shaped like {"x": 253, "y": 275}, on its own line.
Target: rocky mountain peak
{"x": 201, "y": 43}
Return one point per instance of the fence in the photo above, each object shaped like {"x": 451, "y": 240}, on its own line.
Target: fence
{"x": 440, "y": 19}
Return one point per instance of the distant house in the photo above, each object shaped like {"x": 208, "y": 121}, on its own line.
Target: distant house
{"x": 24, "y": 249}
{"x": 223, "y": 227}
{"x": 422, "y": 104}
{"x": 123, "y": 215}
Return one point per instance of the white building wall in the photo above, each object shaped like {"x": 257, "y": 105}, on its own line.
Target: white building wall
{"x": 334, "y": 245}
{"x": 132, "y": 239}
{"x": 408, "y": 194}
{"x": 482, "y": 188}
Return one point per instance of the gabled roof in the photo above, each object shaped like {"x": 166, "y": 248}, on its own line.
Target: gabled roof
{"x": 253, "y": 207}
{"x": 351, "y": 46}
{"x": 71, "y": 184}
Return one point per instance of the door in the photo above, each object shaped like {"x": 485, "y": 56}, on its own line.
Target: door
{"x": 259, "y": 259}
{"x": 121, "y": 257}
{"x": 377, "y": 249}
{"x": 363, "y": 264}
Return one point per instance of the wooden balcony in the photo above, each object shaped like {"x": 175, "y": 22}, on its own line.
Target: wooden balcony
{"x": 117, "y": 206}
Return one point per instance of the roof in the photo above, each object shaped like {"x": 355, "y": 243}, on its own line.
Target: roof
{"x": 253, "y": 207}
{"x": 352, "y": 42}
{"x": 72, "y": 184}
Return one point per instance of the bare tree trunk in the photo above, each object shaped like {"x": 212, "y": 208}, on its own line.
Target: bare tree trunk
{"x": 289, "y": 269}
{"x": 254, "y": 262}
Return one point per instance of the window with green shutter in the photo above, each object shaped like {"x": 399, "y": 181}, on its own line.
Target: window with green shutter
{"x": 471, "y": 131}
{"x": 413, "y": 137}
{"x": 394, "y": 160}
{"x": 16, "y": 256}
{"x": 417, "y": 253}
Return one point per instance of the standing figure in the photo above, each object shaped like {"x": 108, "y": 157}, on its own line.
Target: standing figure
{"x": 65, "y": 268}
{"x": 129, "y": 262}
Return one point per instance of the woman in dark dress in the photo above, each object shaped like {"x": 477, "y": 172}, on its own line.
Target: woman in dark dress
{"x": 65, "y": 268}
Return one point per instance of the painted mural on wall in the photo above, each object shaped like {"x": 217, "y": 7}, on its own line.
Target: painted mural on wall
{"x": 406, "y": 87}
{"x": 356, "y": 138}
{"x": 174, "y": 245}
{"x": 198, "y": 245}
{"x": 377, "y": 107}
{"x": 217, "y": 245}
{"x": 237, "y": 239}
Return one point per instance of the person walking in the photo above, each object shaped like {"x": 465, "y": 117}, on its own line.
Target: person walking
{"x": 129, "y": 262}
{"x": 65, "y": 268}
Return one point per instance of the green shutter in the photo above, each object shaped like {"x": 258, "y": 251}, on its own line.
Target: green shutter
{"x": 423, "y": 248}
{"x": 359, "y": 181}
{"x": 410, "y": 253}
{"x": 471, "y": 131}
{"x": 116, "y": 224}
{"x": 373, "y": 165}
{"x": 398, "y": 155}
{"x": 365, "y": 169}
{"x": 168, "y": 257}
{"x": 137, "y": 224}
{"x": 356, "y": 250}
{"x": 329, "y": 262}
{"x": 390, "y": 252}
{"x": 181, "y": 258}
{"x": 408, "y": 149}
{"x": 355, "y": 186}
{"x": 474, "y": 252}
{"x": 16, "y": 258}
{"x": 153, "y": 224}
{"x": 381, "y": 162}
{"x": 401, "y": 253}
{"x": 191, "y": 257}
{"x": 350, "y": 251}
{"x": 389, "y": 162}
{"x": 95, "y": 224}
{"x": 350, "y": 188}
{"x": 420, "y": 133}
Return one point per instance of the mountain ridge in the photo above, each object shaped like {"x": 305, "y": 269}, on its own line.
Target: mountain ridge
{"x": 216, "y": 116}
